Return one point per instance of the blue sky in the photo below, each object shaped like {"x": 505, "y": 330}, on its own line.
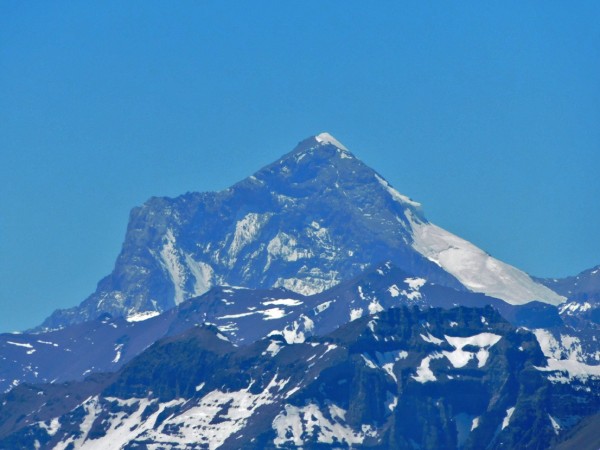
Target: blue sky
{"x": 486, "y": 113}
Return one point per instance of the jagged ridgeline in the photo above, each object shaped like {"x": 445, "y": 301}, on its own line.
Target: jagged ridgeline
{"x": 310, "y": 220}
{"x": 404, "y": 378}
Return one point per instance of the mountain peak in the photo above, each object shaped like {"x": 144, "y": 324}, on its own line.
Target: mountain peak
{"x": 306, "y": 222}
{"x": 326, "y": 138}
{"x": 332, "y": 161}
{"x": 320, "y": 146}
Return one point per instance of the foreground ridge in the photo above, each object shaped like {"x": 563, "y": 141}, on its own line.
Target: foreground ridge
{"x": 380, "y": 381}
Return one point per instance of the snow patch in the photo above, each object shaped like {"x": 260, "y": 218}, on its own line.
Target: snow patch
{"x": 91, "y": 410}
{"x": 237, "y": 316}
{"x": 573, "y": 307}
{"x": 20, "y": 344}
{"x": 273, "y": 348}
{"x": 432, "y": 339}
{"x": 424, "y": 373}
{"x": 283, "y": 302}
{"x": 509, "y": 413}
{"x": 356, "y": 313}
{"x": 361, "y": 293}
{"x": 118, "y": 349}
{"x": 141, "y": 316}
{"x": 565, "y": 357}
{"x": 295, "y": 333}
{"x": 51, "y": 426}
{"x": 322, "y": 307}
{"x": 415, "y": 283}
{"x": 292, "y": 392}
{"x": 273, "y": 313}
{"x": 375, "y": 307}
{"x": 460, "y": 358}
{"x": 223, "y": 337}
{"x": 296, "y": 424}
{"x": 385, "y": 361}
{"x": 391, "y": 401}
{"x": 555, "y": 425}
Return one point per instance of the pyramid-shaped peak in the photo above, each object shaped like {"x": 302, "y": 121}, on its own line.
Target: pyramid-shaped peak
{"x": 321, "y": 163}
{"x": 326, "y": 138}
{"x": 322, "y": 146}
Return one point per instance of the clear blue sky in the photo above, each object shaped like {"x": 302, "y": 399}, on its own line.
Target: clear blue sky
{"x": 486, "y": 112}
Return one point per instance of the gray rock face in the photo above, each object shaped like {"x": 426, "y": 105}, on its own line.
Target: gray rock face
{"x": 315, "y": 217}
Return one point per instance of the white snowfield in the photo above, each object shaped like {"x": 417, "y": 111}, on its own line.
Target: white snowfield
{"x": 475, "y": 269}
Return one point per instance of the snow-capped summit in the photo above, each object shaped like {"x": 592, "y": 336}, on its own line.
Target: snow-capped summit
{"x": 313, "y": 218}
{"x": 329, "y": 139}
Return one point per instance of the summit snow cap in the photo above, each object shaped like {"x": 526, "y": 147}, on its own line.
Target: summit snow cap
{"x": 326, "y": 138}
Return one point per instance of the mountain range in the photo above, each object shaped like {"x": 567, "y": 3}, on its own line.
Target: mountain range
{"x": 310, "y": 305}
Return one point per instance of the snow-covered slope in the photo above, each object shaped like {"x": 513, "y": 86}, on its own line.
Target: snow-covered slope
{"x": 475, "y": 269}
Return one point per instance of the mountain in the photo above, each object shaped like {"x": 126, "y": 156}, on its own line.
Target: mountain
{"x": 582, "y": 287}
{"x": 404, "y": 378}
{"x": 312, "y": 306}
{"x": 312, "y": 219}
{"x": 244, "y": 316}
{"x": 583, "y": 293}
